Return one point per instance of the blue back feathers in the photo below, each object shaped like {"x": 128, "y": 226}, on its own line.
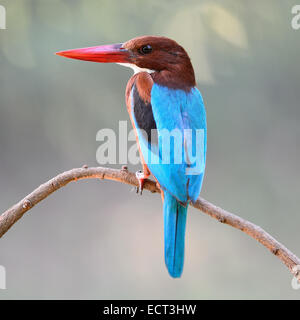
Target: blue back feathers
{"x": 176, "y": 111}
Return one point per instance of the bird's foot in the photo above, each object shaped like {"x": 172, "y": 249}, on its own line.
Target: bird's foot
{"x": 140, "y": 175}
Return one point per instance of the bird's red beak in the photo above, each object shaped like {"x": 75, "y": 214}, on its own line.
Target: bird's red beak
{"x": 108, "y": 53}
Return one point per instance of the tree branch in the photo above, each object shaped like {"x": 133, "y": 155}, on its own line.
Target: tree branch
{"x": 12, "y": 215}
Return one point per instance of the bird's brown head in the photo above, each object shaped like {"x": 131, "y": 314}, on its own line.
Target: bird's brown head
{"x": 164, "y": 58}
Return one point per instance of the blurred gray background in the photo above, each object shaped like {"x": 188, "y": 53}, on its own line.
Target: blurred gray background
{"x": 99, "y": 240}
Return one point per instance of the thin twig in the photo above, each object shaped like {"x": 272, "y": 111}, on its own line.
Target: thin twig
{"x": 12, "y": 215}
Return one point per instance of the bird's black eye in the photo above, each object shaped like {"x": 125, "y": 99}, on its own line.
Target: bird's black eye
{"x": 145, "y": 49}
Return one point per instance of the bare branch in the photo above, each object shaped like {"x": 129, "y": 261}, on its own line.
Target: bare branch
{"x": 12, "y": 215}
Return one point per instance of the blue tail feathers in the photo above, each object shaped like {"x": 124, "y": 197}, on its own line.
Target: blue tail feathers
{"x": 174, "y": 229}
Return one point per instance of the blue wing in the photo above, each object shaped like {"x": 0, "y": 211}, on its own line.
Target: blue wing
{"x": 176, "y": 154}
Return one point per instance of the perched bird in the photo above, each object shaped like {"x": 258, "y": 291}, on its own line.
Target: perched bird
{"x": 163, "y": 102}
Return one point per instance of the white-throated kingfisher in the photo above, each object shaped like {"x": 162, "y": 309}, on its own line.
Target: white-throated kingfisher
{"x": 162, "y": 97}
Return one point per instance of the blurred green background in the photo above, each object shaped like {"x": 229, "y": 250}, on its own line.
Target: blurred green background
{"x": 99, "y": 240}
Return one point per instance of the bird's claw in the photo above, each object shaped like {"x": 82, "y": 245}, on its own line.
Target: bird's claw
{"x": 141, "y": 178}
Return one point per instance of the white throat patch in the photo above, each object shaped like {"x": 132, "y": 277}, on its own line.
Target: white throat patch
{"x": 135, "y": 68}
